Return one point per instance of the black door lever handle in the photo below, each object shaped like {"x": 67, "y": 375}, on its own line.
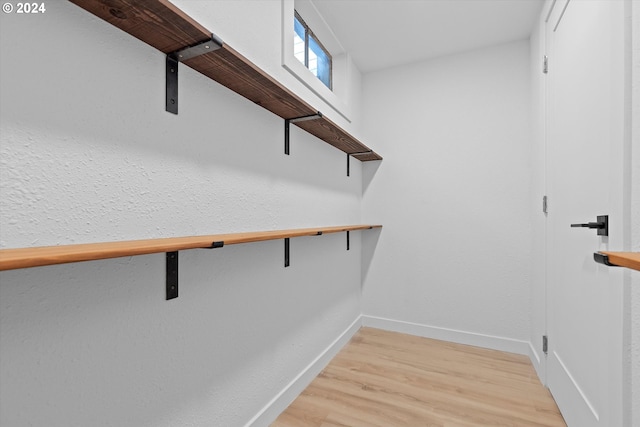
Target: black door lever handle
{"x": 602, "y": 225}
{"x": 590, "y": 225}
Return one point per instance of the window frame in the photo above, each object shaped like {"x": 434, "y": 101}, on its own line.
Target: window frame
{"x": 346, "y": 76}
{"x": 308, "y": 32}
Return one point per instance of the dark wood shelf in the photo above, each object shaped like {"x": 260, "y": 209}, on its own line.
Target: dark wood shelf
{"x": 11, "y": 259}
{"x": 162, "y": 25}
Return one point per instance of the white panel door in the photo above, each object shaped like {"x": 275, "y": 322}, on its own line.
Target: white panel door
{"x": 584, "y": 125}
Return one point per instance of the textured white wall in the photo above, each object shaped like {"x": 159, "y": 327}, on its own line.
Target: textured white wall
{"x": 454, "y": 195}
{"x": 88, "y": 154}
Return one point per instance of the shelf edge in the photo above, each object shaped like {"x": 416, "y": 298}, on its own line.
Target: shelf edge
{"x": 12, "y": 259}
{"x": 619, "y": 259}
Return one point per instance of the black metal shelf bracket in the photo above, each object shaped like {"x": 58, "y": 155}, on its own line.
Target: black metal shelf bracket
{"x": 172, "y": 270}
{"x": 172, "y": 275}
{"x": 354, "y": 154}
{"x": 347, "y": 239}
{"x": 171, "y": 102}
{"x": 601, "y": 258}
{"x": 287, "y": 122}
{"x": 215, "y": 245}
{"x": 286, "y": 252}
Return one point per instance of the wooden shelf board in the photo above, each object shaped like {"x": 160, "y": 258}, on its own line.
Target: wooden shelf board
{"x": 368, "y": 156}
{"x": 332, "y": 134}
{"x": 11, "y": 259}
{"x": 231, "y": 69}
{"x": 624, "y": 259}
{"x": 158, "y": 23}
{"x": 162, "y": 25}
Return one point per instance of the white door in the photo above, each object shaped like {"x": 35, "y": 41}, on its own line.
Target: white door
{"x": 585, "y": 122}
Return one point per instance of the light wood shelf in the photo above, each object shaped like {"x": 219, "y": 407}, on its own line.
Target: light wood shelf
{"x": 164, "y": 26}
{"x": 11, "y": 259}
{"x": 624, "y": 259}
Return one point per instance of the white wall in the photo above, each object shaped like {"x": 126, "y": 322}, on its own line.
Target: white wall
{"x": 453, "y": 194}
{"x": 88, "y": 154}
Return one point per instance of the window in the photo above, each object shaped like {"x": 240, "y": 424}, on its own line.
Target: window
{"x": 340, "y": 73}
{"x": 308, "y": 50}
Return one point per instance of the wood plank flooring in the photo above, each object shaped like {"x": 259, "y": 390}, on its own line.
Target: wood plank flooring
{"x": 388, "y": 379}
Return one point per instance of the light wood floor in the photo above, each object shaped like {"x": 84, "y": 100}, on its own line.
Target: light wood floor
{"x": 389, "y": 379}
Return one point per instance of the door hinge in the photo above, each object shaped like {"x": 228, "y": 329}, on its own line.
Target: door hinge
{"x": 544, "y": 204}
{"x": 545, "y": 344}
{"x": 545, "y": 64}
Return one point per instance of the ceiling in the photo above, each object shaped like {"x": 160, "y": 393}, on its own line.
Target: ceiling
{"x": 385, "y": 33}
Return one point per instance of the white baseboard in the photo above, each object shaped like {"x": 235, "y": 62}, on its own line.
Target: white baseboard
{"x": 461, "y": 337}
{"x": 538, "y": 363}
{"x": 278, "y": 404}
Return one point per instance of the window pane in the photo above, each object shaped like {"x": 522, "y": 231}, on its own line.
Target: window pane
{"x": 313, "y": 62}
{"x": 321, "y": 66}
{"x": 298, "y": 40}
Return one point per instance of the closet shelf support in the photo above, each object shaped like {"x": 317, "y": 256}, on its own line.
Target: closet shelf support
{"x": 286, "y": 252}
{"x": 287, "y": 122}
{"x": 354, "y": 154}
{"x": 172, "y": 275}
{"x": 601, "y": 258}
{"x": 172, "y": 269}
{"x": 171, "y": 102}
